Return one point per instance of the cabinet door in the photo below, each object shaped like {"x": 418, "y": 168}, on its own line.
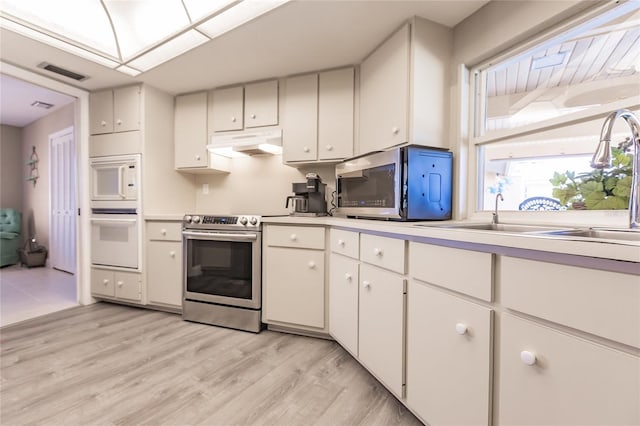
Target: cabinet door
{"x": 164, "y": 272}
{"x": 261, "y": 104}
{"x": 381, "y": 325}
{"x": 448, "y": 357}
{"x": 102, "y": 283}
{"x": 128, "y": 285}
{"x": 384, "y": 91}
{"x": 101, "y": 112}
{"x": 335, "y": 114}
{"x": 126, "y": 109}
{"x": 565, "y": 380}
{"x": 190, "y": 137}
{"x": 294, "y": 286}
{"x": 343, "y": 301}
{"x": 300, "y": 118}
{"x": 225, "y": 112}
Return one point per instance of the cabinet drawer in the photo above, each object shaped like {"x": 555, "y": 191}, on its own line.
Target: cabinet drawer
{"x": 128, "y": 285}
{"x": 384, "y": 252}
{"x": 345, "y": 242}
{"x": 102, "y": 282}
{"x": 464, "y": 271}
{"x": 571, "y": 381}
{"x": 311, "y": 237}
{"x": 604, "y": 303}
{"x": 164, "y": 231}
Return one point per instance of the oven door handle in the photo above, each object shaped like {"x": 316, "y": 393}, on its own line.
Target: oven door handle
{"x": 116, "y": 222}
{"x": 219, "y": 236}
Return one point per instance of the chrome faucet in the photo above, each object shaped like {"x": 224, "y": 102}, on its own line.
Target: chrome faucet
{"x": 602, "y": 157}
{"x": 495, "y": 212}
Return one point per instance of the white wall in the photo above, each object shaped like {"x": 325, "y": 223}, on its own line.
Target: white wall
{"x": 256, "y": 185}
{"x": 36, "y": 198}
{"x": 12, "y": 170}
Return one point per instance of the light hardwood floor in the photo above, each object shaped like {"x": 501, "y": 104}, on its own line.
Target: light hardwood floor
{"x": 111, "y": 364}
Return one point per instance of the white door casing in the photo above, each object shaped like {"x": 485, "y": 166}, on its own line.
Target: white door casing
{"x": 62, "y": 189}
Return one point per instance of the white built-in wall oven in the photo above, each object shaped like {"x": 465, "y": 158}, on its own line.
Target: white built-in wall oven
{"x": 222, "y": 270}
{"x": 116, "y": 227}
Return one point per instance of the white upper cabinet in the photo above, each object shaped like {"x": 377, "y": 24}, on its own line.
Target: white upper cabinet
{"x": 318, "y": 116}
{"x": 261, "y": 104}
{"x": 225, "y": 106}
{"x": 190, "y": 137}
{"x": 404, "y": 88}
{"x": 115, "y": 110}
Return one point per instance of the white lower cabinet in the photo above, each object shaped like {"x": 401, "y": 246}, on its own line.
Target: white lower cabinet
{"x": 164, "y": 264}
{"x": 448, "y": 357}
{"x": 549, "y": 377}
{"x": 116, "y": 284}
{"x": 293, "y": 277}
{"x": 343, "y": 301}
{"x": 381, "y": 325}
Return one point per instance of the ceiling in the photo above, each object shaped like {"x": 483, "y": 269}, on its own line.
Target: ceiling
{"x": 300, "y": 36}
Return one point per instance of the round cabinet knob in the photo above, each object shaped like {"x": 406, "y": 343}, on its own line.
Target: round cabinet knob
{"x": 347, "y": 276}
{"x": 329, "y": 147}
{"x": 366, "y": 284}
{"x": 103, "y": 123}
{"x": 244, "y": 220}
{"x": 395, "y": 130}
{"x": 172, "y": 253}
{"x": 253, "y": 116}
{"x": 197, "y": 158}
{"x": 341, "y": 243}
{"x": 293, "y": 237}
{"x": 377, "y": 251}
{"x": 312, "y": 265}
{"x": 528, "y": 357}
{"x": 105, "y": 281}
{"x": 461, "y": 328}
{"x": 119, "y": 122}
{"x": 233, "y": 119}
{"x": 306, "y": 149}
{"x": 163, "y": 231}
{"x": 120, "y": 283}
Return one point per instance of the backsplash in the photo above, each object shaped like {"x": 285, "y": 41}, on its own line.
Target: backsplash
{"x": 256, "y": 185}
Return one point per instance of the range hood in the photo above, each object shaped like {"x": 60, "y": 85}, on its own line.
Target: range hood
{"x": 246, "y": 143}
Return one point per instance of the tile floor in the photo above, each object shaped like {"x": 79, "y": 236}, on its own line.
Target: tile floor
{"x": 28, "y": 293}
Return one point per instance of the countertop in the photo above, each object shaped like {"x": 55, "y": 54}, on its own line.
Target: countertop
{"x": 495, "y": 241}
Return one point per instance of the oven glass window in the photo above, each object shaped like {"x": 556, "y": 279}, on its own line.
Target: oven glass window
{"x": 220, "y": 268}
{"x": 375, "y": 188}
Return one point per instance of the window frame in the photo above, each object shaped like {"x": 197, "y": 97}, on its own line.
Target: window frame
{"x": 476, "y": 111}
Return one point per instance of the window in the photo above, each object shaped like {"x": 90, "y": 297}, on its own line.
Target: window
{"x": 539, "y": 112}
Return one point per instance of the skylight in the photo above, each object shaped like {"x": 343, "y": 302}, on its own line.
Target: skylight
{"x": 129, "y": 36}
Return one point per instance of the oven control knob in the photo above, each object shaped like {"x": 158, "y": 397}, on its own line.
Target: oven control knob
{"x": 187, "y": 219}
{"x": 195, "y": 219}
{"x": 253, "y": 221}
{"x": 243, "y": 220}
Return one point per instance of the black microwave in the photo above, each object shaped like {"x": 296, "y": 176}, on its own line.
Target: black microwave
{"x": 407, "y": 183}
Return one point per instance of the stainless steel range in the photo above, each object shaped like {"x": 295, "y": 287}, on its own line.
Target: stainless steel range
{"x": 222, "y": 270}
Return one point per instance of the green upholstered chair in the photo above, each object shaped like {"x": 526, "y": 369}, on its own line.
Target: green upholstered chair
{"x": 10, "y": 224}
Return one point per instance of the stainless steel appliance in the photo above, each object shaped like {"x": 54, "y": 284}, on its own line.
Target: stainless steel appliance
{"x": 115, "y": 181}
{"x": 408, "y": 183}
{"x": 222, "y": 270}
{"x": 309, "y": 198}
{"x": 115, "y": 238}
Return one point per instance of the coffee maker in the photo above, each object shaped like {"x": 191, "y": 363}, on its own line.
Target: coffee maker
{"x": 309, "y": 198}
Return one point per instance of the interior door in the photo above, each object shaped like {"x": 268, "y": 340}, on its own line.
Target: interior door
{"x": 62, "y": 242}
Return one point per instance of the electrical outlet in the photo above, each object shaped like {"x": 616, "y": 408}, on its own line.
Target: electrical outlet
{"x": 205, "y": 189}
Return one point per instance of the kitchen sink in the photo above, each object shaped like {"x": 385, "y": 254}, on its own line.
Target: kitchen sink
{"x": 503, "y": 227}
{"x": 599, "y": 233}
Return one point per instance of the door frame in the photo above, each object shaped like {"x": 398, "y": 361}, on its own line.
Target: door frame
{"x": 81, "y": 137}
{"x": 52, "y": 136}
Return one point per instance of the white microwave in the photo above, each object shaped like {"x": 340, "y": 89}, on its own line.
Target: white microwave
{"x": 115, "y": 181}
